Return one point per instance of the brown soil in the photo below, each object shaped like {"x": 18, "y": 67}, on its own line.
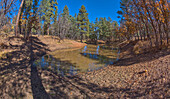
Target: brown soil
{"x": 18, "y": 77}
{"x": 9, "y": 44}
{"x": 134, "y": 76}
{"x": 54, "y": 44}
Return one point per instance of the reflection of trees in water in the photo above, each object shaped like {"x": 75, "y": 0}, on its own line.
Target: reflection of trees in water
{"x": 85, "y": 48}
{"x": 63, "y": 68}
{"x": 100, "y": 58}
{"x": 98, "y": 55}
{"x": 97, "y": 51}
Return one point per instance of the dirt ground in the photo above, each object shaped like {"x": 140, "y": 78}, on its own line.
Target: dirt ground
{"x": 51, "y": 43}
{"x": 133, "y": 76}
{"x": 54, "y": 44}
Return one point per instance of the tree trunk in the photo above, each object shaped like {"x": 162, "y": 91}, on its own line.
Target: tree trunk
{"x": 48, "y": 31}
{"x": 19, "y": 27}
{"x": 147, "y": 34}
{"x": 18, "y": 17}
{"x": 160, "y": 33}
{"x": 140, "y": 30}
{"x": 81, "y": 35}
{"x": 166, "y": 33}
{"x": 152, "y": 24}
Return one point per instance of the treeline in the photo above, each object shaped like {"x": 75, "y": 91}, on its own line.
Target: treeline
{"x": 140, "y": 20}
{"x": 42, "y": 18}
{"x": 145, "y": 20}
{"x": 103, "y": 29}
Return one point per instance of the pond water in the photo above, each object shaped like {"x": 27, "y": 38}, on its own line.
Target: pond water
{"x": 73, "y": 61}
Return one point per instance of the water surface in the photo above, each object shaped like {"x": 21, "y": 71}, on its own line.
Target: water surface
{"x": 70, "y": 62}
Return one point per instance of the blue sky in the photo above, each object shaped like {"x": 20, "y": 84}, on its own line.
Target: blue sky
{"x": 95, "y": 8}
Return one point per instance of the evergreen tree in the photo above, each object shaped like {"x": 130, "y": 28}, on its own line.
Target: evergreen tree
{"x": 83, "y": 22}
{"x": 97, "y": 28}
{"x": 109, "y": 30}
{"x": 27, "y": 15}
{"x": 74, "y": 30}
{"x": 65, "y": 11}
{"x": 104, "y": 28}
{"x": 93, "y": 33}
{"x": 115, "y": 29}
{"x": 49, "y": 13}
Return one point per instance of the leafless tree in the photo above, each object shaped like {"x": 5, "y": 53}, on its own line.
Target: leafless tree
{"x": 62, "y": 27}
{"x": 18, "y": 17}
{"x": 6, "y": 8}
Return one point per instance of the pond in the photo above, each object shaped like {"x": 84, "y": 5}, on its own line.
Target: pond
{"x": 73, "y": 61}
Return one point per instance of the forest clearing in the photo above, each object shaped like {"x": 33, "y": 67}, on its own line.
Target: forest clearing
{"x": 50, "y": 54}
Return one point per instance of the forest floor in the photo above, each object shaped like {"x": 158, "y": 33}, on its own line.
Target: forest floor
{"x": 133, "y": 76}
{"x": 50, "y": 42}
{"x": 143, "y": 76}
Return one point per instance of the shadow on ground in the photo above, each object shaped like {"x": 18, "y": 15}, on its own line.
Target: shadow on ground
{"x": 130, "y": 58}
{"x": 20, "y": 79}
{"x": 18, "y": 76}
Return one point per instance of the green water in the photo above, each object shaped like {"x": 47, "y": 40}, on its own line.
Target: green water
{"x": 72, "y": 62}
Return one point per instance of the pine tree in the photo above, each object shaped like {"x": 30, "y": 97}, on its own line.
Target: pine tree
{"x": 97, "y": 28}
{"x": 83, "y": 22}
{"x": 74, "y": 30}
{"x": 65, "y": 11}
{"x": 27, "y": 15}
{"x": 49, "y": 13}
{"x": 115, "y": 29}
{"x": 93, "y": 32}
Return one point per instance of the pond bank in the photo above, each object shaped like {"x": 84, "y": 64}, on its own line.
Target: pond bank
{"x": 142, "y": 80}
{"x": 49, "y": 42}
{"x": 142, "y": 76}
{"x": 53, "y": 43}
{"x": 18, "y": 78}
{"x": 134, "y": 76}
